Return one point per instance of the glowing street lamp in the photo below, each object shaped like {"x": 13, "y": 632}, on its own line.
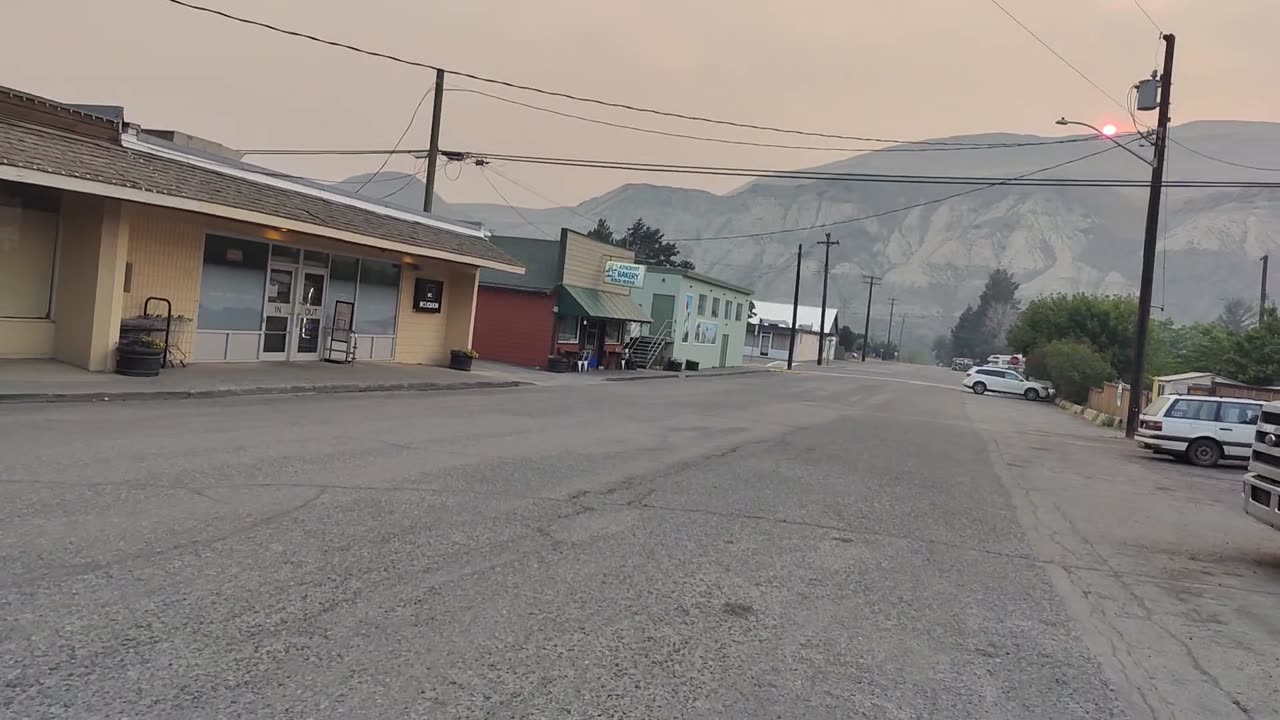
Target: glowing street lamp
{"x": 1107, "y": 131}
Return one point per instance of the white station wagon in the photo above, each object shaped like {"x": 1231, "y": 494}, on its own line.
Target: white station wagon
{"x": 1204, "y": 430}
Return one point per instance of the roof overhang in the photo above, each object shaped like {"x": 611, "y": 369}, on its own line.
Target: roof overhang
{"x": 142, "y": 197}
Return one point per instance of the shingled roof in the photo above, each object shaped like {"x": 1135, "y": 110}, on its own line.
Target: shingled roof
{"x": 85, "y": 157}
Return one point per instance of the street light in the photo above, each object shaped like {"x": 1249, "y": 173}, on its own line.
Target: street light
{"x": 1107, "y": 135}
{"x": 1159, "y": 143}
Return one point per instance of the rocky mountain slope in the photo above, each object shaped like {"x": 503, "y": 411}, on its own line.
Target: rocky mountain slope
{"x": 935, "y": 258}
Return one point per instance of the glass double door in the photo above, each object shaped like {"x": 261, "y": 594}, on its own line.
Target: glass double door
{"x": 293, "y": 315}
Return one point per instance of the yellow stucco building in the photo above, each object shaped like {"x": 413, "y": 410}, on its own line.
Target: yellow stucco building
{"x": 97, "y": 216}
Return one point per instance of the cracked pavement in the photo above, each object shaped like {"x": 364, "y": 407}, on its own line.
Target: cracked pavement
{"x": 861, "y": 541}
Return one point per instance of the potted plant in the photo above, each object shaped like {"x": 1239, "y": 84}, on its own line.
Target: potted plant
{"x": 461, "y": 359}
{"x": 140, "y": 356}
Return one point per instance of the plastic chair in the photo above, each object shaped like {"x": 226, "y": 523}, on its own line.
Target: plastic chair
{"x": 584, "y": 361}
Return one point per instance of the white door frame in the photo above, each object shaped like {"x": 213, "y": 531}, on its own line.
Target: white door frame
{"x": 278, "y": 310}
{"x": 308, "y": 317}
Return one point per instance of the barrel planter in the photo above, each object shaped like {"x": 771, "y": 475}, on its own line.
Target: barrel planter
{"x": 460, "y": 361}
{"x": 138, "y": 360}
{"x": 557, "y": 364}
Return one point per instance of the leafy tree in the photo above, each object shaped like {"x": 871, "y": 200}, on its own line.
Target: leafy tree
{"x": 1072, "y": 366}
{"x": 648, "y": 244}
{"x": 1254, "y": 357}
{"x": 981, "y": 331}
{"x": 1237, "y": 314}
{"x": 847, "y": 338}
{"x": 1104, "y": 322}
{"x": 602, "y": 231}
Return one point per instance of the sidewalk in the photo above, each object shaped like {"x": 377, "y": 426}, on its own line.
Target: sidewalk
{"x": 37, "y": 381}
{"x": 49, "y": 381}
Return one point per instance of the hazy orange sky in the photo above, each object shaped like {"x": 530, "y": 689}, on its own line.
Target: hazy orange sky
{"x": 907, "y": 69}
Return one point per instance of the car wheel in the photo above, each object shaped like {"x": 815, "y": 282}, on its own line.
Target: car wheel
{"x": 1031, "y": 394}
{"x": 979, "y": 388}
{"x": 1204, "y": 452}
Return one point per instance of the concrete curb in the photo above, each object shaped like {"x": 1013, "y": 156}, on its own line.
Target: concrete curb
{"x": 135, "y": 395}
{"x": 1093, "y": 416}
{"x": 689, "y": 375}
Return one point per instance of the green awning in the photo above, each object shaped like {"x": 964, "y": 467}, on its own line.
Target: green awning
{"x": 585, "y": 302}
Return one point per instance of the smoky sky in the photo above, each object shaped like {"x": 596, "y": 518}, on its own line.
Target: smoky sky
{"x": 904, "y": 69}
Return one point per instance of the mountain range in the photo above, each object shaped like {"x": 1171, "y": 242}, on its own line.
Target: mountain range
{"x": 935, "y": 258}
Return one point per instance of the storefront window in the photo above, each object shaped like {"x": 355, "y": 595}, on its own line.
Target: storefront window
{"x": 379, "y": 295}
{"x": 613, "y": 332}
{"x": 232, "y": 284}
{"x": 715, "y": 307}
{"x": 738, "y": 315}
{"x": 567, "y": 329}
{"x": 343, "y": 273}
{"x": 28, "y": 240}
{"x": 315, "y": 258}
{"x": 284, "y": 254}
{"x": 702, "y": 304}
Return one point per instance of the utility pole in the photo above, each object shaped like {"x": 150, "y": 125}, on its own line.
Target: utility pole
{"x": 872, "y": 281}
{"x": 1262, "y": 302}
{"x": 822, "y": 322}
{"x": 437, "y": 106}
{"x": 888, "y": 339}
{"x": 795, "y": 307}
{"x": 1161, "y": 140}
{"x": 902, "y": 324}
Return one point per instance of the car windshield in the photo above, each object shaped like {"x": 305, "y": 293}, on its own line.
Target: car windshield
{"x": 1156, "y": 405}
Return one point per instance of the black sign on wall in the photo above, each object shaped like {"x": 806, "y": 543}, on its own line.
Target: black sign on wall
{"x": 427, "y": 295}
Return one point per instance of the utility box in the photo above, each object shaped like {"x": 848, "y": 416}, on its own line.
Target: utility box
{"x": 1148, "y": 94}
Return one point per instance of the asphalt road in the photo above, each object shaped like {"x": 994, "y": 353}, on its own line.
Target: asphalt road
{"x": 860, "y": 542}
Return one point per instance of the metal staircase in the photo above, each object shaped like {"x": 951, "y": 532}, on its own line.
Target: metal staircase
{"x": 646, "y": 349}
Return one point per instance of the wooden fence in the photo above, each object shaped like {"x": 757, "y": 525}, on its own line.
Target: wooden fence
{"x": 1112, "y": 399}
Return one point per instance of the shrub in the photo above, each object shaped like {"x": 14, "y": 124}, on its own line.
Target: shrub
{"x": 1073, "y": 367}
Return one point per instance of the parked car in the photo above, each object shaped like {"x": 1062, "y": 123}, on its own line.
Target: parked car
{"x": 961, "y": 364}
{"x": 1203, "y": 430}
{"x": 999, "y": 380}
{"x": 1262, "y": 482}
{"x": 1005, "y": 361}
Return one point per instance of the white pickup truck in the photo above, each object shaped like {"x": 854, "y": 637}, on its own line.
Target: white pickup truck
{"x": 1262, "y": 482}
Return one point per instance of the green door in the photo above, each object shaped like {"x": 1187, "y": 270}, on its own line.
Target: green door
{"x": 663, "y": 314}
{"x": 724, "y": 350}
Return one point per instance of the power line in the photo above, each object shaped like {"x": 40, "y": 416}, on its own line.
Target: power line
{"x": 815, "y": 175}
{"x": 408, "y": 181}
{"x": 1207, "y": 156}
{"x": 1048, "y": 47}
{"x": 1147, "y": 15}
{"x": 726, "y": 141}
{"x": 396, "y": 147}
{"x": 526, "y": 188}
{"x": 511, "y": 207}
{"x": 905, "y": 208}
{"x": 556, "y": 93}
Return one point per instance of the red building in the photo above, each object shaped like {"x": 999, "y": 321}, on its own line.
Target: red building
{"x": 573, "y": 299}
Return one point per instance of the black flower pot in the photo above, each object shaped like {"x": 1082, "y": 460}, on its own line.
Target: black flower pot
{"x": 460, "y": 361}
{"x": 138, "y": 360}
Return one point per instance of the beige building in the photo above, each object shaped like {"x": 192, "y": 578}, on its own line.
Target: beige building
{"x": 97, "y": 216}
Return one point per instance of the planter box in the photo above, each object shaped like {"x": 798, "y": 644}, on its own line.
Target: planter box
{"x": 460, "y": 361}
{"x": 138, "y": 362}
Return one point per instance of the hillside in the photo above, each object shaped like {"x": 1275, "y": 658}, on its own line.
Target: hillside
{"x": 936, "y": 258}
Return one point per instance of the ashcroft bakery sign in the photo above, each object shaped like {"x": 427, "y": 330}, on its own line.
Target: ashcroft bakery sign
{"x": 624, "y": 274}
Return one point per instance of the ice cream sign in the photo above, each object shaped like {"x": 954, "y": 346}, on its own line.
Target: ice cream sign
{"x": 624, "y": 274}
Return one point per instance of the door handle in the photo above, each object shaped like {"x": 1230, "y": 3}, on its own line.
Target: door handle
{"x": 1225, "y": 429}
